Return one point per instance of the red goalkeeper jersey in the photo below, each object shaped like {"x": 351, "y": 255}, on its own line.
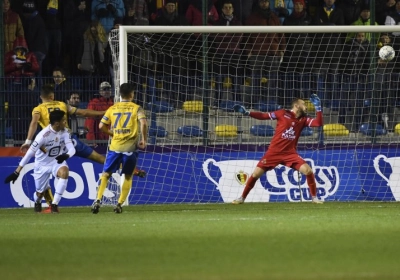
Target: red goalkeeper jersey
{"x": 288, "y": 129}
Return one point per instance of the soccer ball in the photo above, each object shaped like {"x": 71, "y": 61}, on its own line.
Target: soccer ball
{"x": 386, "y": 53}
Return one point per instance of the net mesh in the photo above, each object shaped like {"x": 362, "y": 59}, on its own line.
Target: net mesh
{"x": 189, "y": 82}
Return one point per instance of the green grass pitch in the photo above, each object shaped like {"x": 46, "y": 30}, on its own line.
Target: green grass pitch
{"x": 218, "y": 241}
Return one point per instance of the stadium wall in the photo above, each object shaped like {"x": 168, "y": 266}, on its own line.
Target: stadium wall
{"x": 196, "y": 174}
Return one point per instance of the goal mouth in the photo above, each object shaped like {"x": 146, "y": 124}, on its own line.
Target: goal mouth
{"x": 188, "y": 79}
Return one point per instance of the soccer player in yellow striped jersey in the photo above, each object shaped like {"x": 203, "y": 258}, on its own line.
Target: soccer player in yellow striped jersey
{"x": 41, "y": 116}
{"x": 121, "y": 121}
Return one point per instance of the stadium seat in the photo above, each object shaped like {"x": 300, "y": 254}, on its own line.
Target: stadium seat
{"x": 158, "y": 131}
{"x": 190, "y": 131}
{"x": 267, "y": 107}
{"x": 193, "y": 106}
{"x": 226, "y": 130}
{"x": 366, "y": 129}
{"x": 335, "y": 129}
{"x": 307, "y": 131}
{"x": 397, "y": 129}
{"x": 159, "y": 107}
{"x": 262, "y": 130}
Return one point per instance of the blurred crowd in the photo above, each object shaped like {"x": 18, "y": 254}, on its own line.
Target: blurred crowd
{"x": 51, "y": 40}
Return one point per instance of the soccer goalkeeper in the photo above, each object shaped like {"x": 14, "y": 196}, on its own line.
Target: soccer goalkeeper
{"x": 282, "y": 149}
{"x": 123, "y": 118}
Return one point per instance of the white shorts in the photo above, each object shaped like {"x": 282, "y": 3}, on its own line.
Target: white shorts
{"x": 42, "y": 174}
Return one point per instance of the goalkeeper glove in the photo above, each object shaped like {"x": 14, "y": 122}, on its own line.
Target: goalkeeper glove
{"x": 12, "y": 177}
{"x": 316, "y": 101}
{"x": 61, "y": 158}
{"x": 241, "y": 109}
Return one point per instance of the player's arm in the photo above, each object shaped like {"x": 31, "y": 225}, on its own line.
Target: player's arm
{"x": 318, "y": 121}
{"x": 69, "y": 146}
{"x": 143, "y": 129}
{"x": 256, "y": 115}
{"x": 39, "y": 141}
{"x": 31, "y": 132}
{"x": 105, "y": 124}
{"x": 84, "y": 112}
{"x": 105, "y": 128}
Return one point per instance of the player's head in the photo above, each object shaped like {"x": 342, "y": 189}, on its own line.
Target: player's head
{"x": 74, "y": 99}
{"x": 227, "y": 8}
{"x": 58, "y": 120}
{"x": 126, "y": 91}
{"x": 47, "y": 92}
{"x": 58, "y": 75}
{"x": 105, "y": 89}
{"x": 299, "y": 107}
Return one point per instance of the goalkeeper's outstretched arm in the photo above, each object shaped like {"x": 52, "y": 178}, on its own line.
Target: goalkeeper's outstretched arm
{"x": 255, "y": 115}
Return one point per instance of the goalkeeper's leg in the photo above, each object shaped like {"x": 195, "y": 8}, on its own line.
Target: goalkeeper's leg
{"x": 312, "y": 185}
{"x": 251, "y": 181}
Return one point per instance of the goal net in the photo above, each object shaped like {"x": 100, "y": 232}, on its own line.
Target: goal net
{"x": 200, "y": 151}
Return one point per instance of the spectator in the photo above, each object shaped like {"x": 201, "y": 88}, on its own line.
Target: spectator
{"x": 106, "y": 12}
{"x": 76, "y": 123}
{"x": 328, "y": 45}
{"x": 51, "y": 11}
{"x": 20, "y": 63}
{"x": 351, "y": 10}
{"x": 243, "y": 8}
{"x": 264, "y": 51}
{"x": 297, "y": 60}
{"x": 101, "y": 103}
{"x": 62, "y": 87}
{"x": 364, "y": 19}
{"x": 194, "y": 14}
{"x": 297, "y": 55}
{"x": 356, "y": 64}
{"x": 20, "y": 69}
{"x": 171, "y": 48}
{"x": 226, "y": 52}
{"x": 35, "y": 33}
{"x": 76, "y": 20}
{"x": 12, "y": 26}
{"x": 137, "y": 12}
{"x": 282, "y": 8}
{"x": 393, "y": 18}
{"x": 382, "y": 9}
{"x": 92, "y": 55}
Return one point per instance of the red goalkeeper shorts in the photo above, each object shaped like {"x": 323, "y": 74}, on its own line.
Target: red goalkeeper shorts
{"x": 270, "y": 161}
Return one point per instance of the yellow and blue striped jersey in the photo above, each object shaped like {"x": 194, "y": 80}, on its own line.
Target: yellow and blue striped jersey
{"x": 45, "y": 108}
{"x": 123, "y": 117}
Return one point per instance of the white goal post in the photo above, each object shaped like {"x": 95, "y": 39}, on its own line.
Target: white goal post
{"x": 124, "y": 30}
{"x": 356, "y": 165}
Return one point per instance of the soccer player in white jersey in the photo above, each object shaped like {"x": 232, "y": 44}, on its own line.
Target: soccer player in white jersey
{"x": 53, "y": 138}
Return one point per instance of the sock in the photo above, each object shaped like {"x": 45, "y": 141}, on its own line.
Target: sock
{"x": 48, "y": 196}
{"x": 126, "y": 187}
{"x": 36, "y": 198}
{"x": 102, "y": 187}
{"x": 311, "y": 184}
{"x": 249, "y": 185}
{"x": 60, "y": 188}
